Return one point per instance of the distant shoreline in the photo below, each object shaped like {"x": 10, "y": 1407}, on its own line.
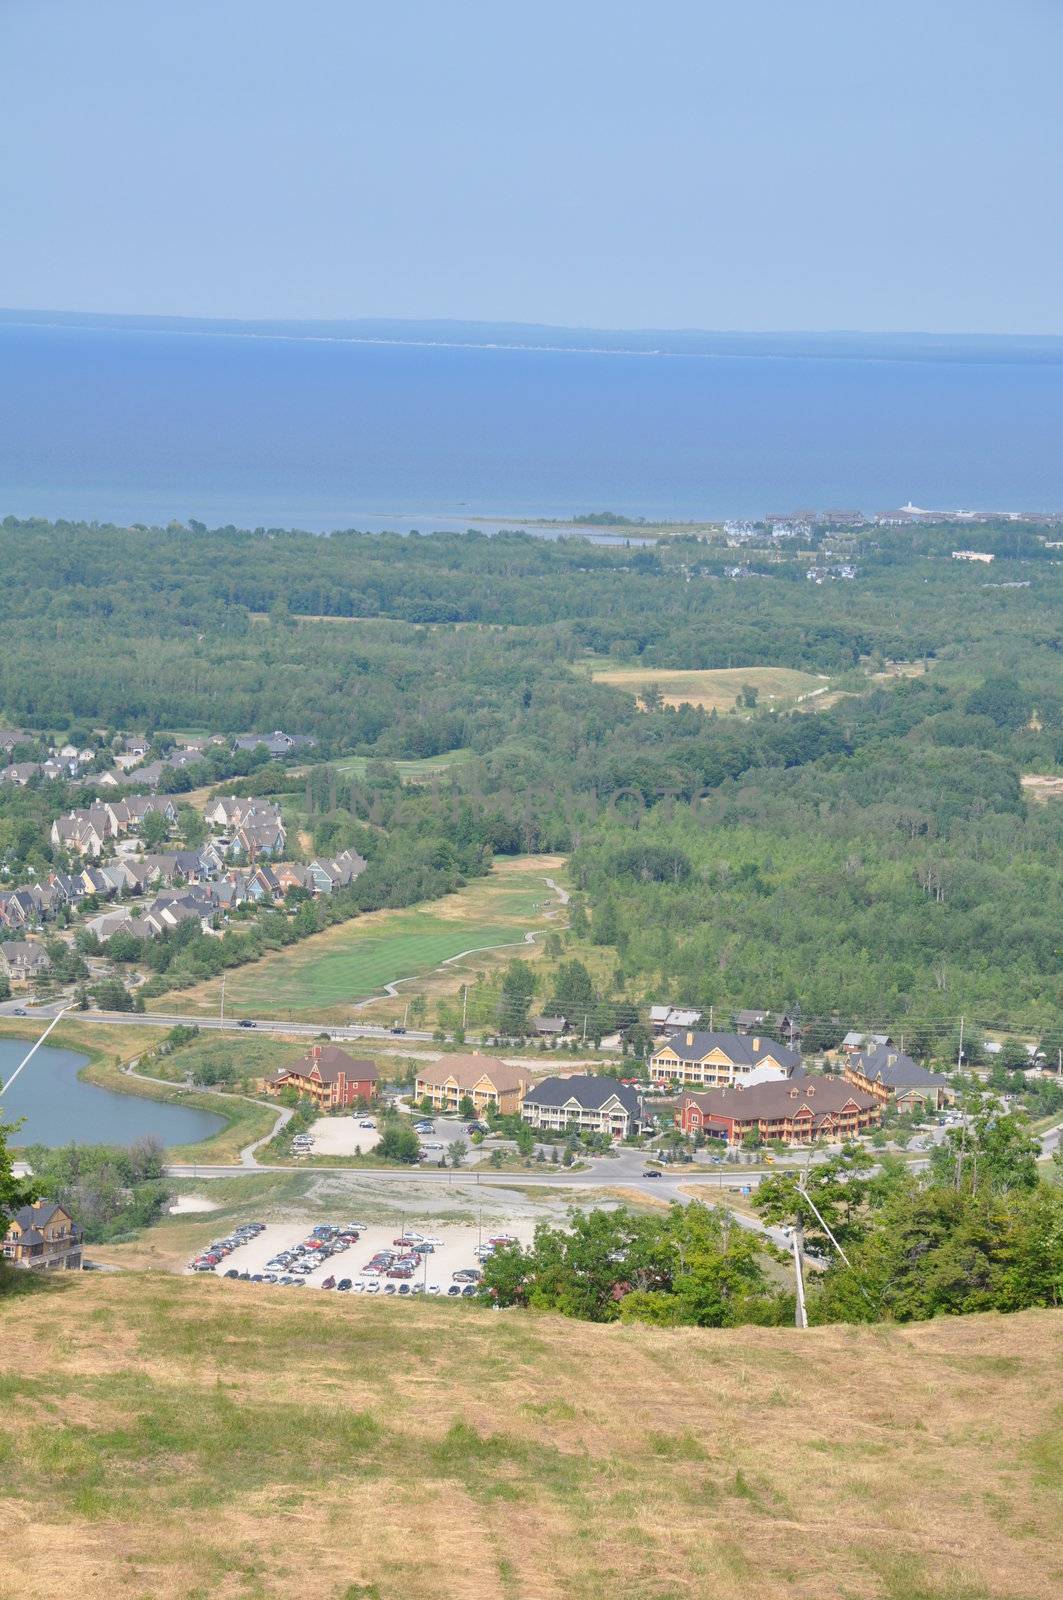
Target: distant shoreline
{"x": 532, "y": 338}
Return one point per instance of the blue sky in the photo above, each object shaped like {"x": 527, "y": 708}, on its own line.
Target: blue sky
{"x": 757, "y": 165}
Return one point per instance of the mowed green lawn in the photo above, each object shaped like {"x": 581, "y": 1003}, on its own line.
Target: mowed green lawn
{"x": 354, "y": 961}
{"x": 414, "y": 771}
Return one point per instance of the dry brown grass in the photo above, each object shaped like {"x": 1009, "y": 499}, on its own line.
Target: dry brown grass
{"x": 1041, "y": 787}
{"x": 714, "y": 688}
{"x": 176, "y": 1439}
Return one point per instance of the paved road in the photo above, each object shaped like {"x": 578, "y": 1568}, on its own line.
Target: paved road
{"x": 155, "y": 1019}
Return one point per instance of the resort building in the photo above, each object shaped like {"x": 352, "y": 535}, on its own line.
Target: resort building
{"x": 714, "y": 1059}
{"x": 585, "y": 1103}
{"x": 328, "y": 1076}
{"x": 484, "y": 1080}
{"x": 797, "y": 1112}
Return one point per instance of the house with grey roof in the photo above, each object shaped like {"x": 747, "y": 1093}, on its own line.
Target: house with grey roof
{"x": 42, "y": 1236}
{"x": 584, "y": 1103}
{"x": 22, "y": 961}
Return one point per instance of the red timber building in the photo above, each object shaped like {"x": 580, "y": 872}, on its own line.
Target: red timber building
{"x": 797, "y": 1111}
{"x": 328, "y": 1076}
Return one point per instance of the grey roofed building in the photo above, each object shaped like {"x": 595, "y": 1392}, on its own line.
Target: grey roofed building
{"x": 276, "y": 743}
{"x": 602, "y": 1105}
{"x": 742, "y": 1048}
{"x": 549, "y": 1026}
{"x": 894, "y": 1070}
{"x": 861, "y": 1041}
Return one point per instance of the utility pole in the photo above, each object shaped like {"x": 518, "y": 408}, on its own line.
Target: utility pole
{"x": 797, "y": 1242}
{"x": 959, "y": 1052}
{"x": 711, "y": 1009}
{"x": 464, "y": 1004}
{"x": 222, "y": 1016}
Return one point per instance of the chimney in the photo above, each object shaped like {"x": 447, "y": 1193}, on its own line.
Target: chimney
{"x": 690, "y": 1038}
{"x": 756, "y": 1046}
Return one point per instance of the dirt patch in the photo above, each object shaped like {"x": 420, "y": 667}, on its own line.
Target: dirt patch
{"x": 1041, "y": 788}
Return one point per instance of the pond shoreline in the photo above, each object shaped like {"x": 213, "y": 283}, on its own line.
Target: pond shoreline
{"x": 242, "y": 1121}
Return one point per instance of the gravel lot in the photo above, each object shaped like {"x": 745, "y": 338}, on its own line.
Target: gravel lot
{"x": 341, "y": 1136}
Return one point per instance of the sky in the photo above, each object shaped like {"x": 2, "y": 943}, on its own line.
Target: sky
{"x": 760, "y": 164}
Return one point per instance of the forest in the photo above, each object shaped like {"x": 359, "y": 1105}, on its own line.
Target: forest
{"x": 877, "y": 858}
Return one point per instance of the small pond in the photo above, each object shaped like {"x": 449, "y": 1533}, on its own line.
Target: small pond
{"x": 58, "y": 1106}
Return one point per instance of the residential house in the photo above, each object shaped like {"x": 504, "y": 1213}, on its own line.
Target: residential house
{"x": 276, "y": 744}
{"x": 22, "y": 962}
{"x": 797, "y": 1112}
{"x": 43, "y": 1237}
{"x": 549, "y": 1027}
{"x": 484, "y": 1080}
{"x": 785, "y": 1026}
{"x": 259, "y": 838}
{"x": 712, "y": 1059}
{"x": 231, "y": 812}
{"x": 328, "y": 1076}
{"x": 585, "y": 1103}
{"x": 20, "y": 773}
{"x": 664, "y": 1017}
{"x": 18, "y": 908}
{"x": 888, "y": 1074}
{"x": 10, "y": 737}
{"x": 291, "y": 875}
{"x": 323, "y": 876}
{"x": 80, "y": 834}
{"x": 855, "y": 1041}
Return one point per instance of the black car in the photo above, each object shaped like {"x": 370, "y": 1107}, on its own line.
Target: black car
{"x": 651, "y": 1172}
{"x": 232, "y": 1273}
{"x": 245, "y": 1022}
{"x": 344, "y": 1283}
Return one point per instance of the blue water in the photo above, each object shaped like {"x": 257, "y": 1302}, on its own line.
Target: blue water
{"x": 60, "y": 1107}
{"x": 149, "y": 426}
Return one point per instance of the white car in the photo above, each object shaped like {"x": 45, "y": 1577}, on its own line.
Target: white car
{"x": 435, "y": 1145}
{"x": 437, "y": 1244}
{"x": 433, "y": 1288}
{"x": 413, "y": 1236}
{"x": 367, "y": 1122}
{"x": 372, "y": 1288}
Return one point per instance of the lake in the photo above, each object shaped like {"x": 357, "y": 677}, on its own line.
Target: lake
{"x": 59, "y": 1106}
{"x": 134, "y": 425}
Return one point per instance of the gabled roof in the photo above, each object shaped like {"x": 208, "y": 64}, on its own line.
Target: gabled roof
{"x": 467, "y": 1070}
{"x": 894, "y": 1070}
{"x": 328, "y": 1061}
{"x": 588, "y": 1092}
{"x": 770, "y": 1101}
{"x": 742, "y": 1049}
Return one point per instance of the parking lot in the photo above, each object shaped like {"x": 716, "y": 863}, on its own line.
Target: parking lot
{"x": 427, "y": 1256}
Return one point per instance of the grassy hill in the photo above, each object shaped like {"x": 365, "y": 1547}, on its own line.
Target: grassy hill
{"x": 165, "y": 1437}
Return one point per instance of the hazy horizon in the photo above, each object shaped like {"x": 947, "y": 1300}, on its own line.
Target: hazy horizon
{"x": 707, "y": 167}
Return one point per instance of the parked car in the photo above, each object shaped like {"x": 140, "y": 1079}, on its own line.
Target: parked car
{"x": 470, "y": 1289}
{"x": 372, "y": 1288}
{"x": 344, "y": 1283}
{"x": 329, "y": 1283}
{"x": 232, "y": 1273}
{"x": 455, "y": 1288}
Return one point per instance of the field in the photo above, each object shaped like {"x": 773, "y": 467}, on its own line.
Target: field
{"x": 715, "y": 689}
{"x": 410, "y": 771}
{"x": 324, "y": 976}
{"x": 177, "y": 1438}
